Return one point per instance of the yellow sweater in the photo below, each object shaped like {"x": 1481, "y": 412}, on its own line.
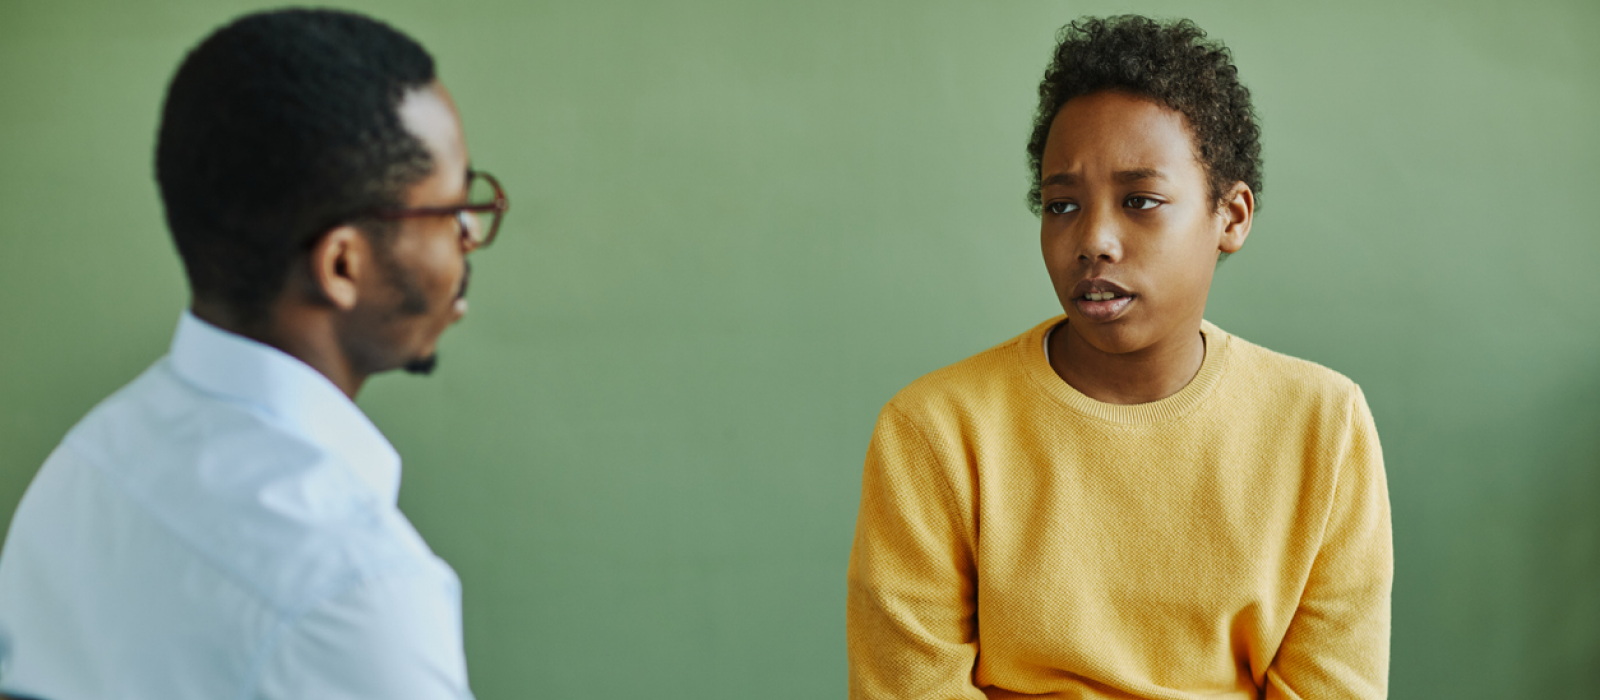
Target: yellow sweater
{"x": 1017, "y": 538}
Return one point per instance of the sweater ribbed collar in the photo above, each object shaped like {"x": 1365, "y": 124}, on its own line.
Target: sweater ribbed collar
{"x": 1030, "y": 352}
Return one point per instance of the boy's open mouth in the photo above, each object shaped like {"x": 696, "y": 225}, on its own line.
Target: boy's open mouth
{"x": 1101, "y": 299}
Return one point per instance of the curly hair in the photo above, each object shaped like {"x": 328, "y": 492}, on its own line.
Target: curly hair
{"x": 1170, "y": 63}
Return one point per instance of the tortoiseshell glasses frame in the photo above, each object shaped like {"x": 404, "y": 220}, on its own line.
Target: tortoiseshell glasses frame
{"x": 497, "y": 208}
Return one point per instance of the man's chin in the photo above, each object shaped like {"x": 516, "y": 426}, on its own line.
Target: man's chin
{"x": 422, "y": 365}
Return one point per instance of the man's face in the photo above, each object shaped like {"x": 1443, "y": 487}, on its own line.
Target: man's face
{"x": 420, "y": 287}
{"x": 1129, "y": 229}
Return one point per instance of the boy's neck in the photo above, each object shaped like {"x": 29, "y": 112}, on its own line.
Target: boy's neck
{"x": 1147, "y": 375}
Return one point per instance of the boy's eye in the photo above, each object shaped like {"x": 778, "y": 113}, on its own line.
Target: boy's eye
{"x": 1061, "y": 207}
{"x": 1137, "y": 202}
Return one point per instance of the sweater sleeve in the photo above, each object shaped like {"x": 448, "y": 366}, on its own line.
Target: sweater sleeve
{"x": 1337, "y": 645}
{"x": 910, "y": 616}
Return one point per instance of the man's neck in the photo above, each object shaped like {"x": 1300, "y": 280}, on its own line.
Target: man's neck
{"x": 305, "y": 334}
{"x": 1147, "y": 375}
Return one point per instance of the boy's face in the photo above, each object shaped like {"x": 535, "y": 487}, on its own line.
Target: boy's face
{"x": 1129, "y": 229}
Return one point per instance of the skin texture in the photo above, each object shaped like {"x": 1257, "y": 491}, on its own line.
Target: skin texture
{"x": 1126, "y": 205}
{"x": 351, "y": 309}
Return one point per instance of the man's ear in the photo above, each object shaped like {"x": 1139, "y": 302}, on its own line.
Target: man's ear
{"x": 337, "y": 262}
{"x": 1238, "y": 209}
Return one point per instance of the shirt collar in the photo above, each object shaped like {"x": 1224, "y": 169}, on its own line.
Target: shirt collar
{"x": 240, "y": 369}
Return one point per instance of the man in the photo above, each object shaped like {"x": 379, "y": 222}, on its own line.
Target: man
{"x": 225, "y": 525}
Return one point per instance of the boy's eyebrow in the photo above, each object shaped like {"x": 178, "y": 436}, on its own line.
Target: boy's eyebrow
{"x": 1122, "y": 176}
{"x": 1137, "y": 174}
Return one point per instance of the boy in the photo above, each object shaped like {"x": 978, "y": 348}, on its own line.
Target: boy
{"x": 1126, "y": 501}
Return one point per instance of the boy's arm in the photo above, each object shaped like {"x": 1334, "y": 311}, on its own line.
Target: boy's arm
{"x": 911, "y": 604}
{"x": 1337, "y": 645}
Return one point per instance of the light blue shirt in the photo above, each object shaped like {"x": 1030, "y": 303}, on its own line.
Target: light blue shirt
{"x": 224, "y": 527}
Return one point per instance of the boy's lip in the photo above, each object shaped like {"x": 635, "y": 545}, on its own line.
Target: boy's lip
{"x": 1098, "y": 285}
{"x": 1101, "y": 311}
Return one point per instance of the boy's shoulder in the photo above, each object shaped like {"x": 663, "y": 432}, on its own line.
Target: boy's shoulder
{"x": 1262, "y": 371}
{"x": 990, "y": 375}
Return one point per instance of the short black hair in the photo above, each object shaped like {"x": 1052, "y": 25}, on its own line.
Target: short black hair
{"x": 278, "y": 127}
{"x": 1170, "y": 63}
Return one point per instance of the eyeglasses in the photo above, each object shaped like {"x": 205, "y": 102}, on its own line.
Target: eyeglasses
{"x": 484, "y": 197}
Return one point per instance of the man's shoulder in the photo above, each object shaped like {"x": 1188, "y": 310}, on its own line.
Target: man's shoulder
{"x": 158, "y": 422}
{"x": 211, "y": 529}
{"x": 253, "y": 497}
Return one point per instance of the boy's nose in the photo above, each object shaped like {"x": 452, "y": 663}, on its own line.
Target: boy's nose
{"x": 1100, "y": 239}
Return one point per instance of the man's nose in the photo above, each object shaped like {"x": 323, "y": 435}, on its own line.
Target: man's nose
{"x": 471, "y": 231}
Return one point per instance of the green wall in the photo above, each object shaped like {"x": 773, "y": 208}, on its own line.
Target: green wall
{"x": 740, "y": 227}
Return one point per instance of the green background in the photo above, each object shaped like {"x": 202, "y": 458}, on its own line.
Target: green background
{"x": 739, "y": 227}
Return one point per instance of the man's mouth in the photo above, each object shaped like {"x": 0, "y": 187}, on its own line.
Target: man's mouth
{"x": 460, "y": 304}
{"x": 466, "y": 276}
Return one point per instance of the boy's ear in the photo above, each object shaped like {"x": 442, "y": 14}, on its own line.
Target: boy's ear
{"x": 337, "y": 262}
{"x": 1238, "y": 208}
